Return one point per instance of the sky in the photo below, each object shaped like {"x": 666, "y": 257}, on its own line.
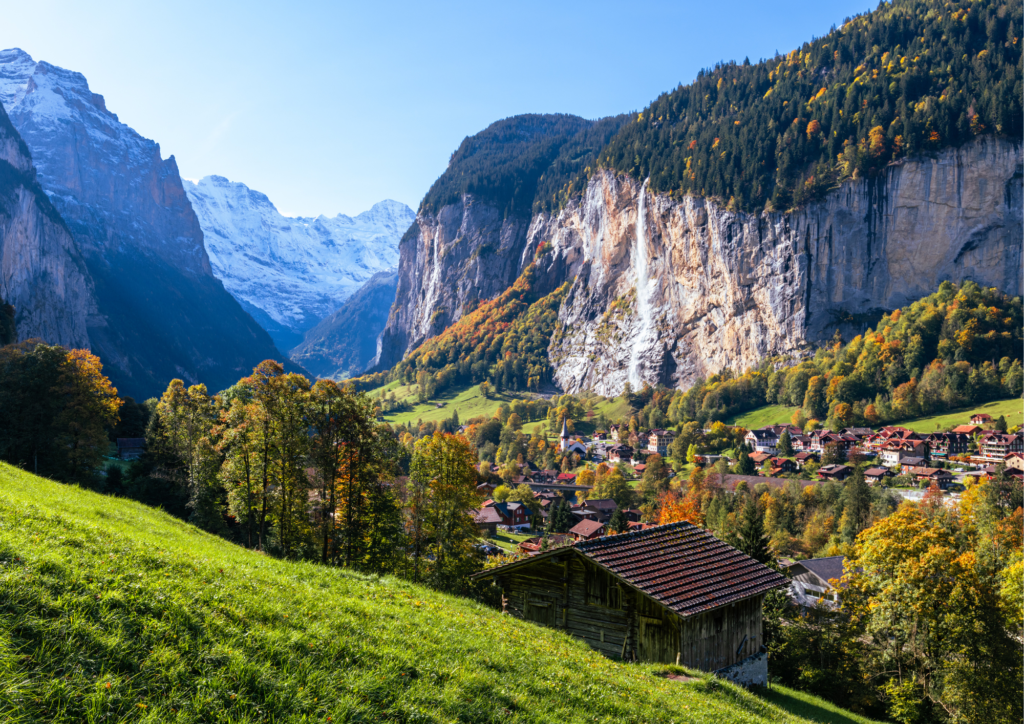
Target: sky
{"x": 329, "y": 107}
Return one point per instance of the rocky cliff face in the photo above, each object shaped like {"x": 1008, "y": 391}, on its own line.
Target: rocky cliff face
{"x": 161, "y": 312}
{"x": 668, "y": 290}
{"x": 448, "y": 263}
{"x": 290, "y": 273}
{"x": 42, "y": 273}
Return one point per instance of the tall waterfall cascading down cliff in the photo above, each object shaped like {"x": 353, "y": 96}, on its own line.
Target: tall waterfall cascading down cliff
{"x": 647, "y": 335}
{"x": 726, "y": 289}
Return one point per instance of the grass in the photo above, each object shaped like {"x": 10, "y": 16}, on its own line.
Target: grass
{"x": 811, "y": 707}
{"x": 468, "y": 401}
{"x": 1012, "y": 408}
{"x": 112, "y": 611}
{"x": 763, "y": 416}
{"x": 509, "y": 541}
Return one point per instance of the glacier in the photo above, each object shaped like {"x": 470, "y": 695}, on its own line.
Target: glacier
{"x": 289, "y": 273}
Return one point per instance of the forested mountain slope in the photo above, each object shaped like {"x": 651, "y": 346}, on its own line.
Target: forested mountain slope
{"x": 115, "y": 611}
{"x": 850, "y": 189}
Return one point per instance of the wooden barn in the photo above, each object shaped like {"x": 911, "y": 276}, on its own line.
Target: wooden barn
{"x": 669, "y": 594}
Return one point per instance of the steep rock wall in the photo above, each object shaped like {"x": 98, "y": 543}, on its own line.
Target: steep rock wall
{"x": 41, "y": 270}
{"x": 692, "y": 288}
{"x": 695, "y": 288}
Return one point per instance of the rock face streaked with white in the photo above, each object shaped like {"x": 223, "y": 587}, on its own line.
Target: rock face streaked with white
{"x": 160, "y": 312}
{"x": 706, "y": 288}
{"x": 290, "y": 273}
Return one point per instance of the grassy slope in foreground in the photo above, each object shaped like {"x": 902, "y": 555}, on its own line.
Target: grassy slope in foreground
{"x": 112, "y": 611}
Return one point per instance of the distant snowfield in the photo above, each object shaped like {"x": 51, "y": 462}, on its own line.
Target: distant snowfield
{"x": 291, "y": 272}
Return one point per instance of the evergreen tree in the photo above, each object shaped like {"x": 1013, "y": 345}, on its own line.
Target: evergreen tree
{"x": 744, "y": 465}
{"x": 785, "y": 446}
{"x": 618, "y": 522}
{"x": 752, "y": 538}
{"x": 856, "y": 501}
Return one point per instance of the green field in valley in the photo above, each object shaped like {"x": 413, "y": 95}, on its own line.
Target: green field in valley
{"x": 763, "y": 416}
{"x": 112, "y": 611}
{"x": 1012, "y": 409}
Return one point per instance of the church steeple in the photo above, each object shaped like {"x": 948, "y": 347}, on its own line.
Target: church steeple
{"x": 565, "y": 430}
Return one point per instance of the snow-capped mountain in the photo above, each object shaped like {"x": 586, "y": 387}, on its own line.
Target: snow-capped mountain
{"x": 153, "y": 310}
{"x": 290, "y": 273}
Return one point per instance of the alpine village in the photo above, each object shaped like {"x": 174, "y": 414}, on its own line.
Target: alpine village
{"x": 706, "y": 412}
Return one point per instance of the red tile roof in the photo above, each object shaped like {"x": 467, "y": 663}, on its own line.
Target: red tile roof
{"x": 683, "y": 567}
{"x": 586, "y": 528}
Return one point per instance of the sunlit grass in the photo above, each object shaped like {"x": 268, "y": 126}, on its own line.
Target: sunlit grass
{"x": 111, "y": 611}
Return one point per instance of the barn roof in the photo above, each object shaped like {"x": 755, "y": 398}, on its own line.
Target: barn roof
{"x": 681, "y": 566}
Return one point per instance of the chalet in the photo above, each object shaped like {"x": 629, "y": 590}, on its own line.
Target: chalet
{"x": 802, "y": 458}
{"x": 981, "y": 419}
{"x": 566, "y": 478}
{"x": 487, "y": 521}
{"x": 834, "y": 472}
{"x": 764, "y": 440}
{"x": 617, "y": 453}
{"x": 512, "y": 514}
{"x": 859, "y": 433}
{"x": 613, "y": 433}
{"x": 131, "y": 448}
{"x": 782, "y": 465}
{"x": 587, "y": 530}
{"x": 913, "y": 462}
{"x": 639, "y": 468}
{"x": 760, "y": 457}
{"x": 927, "y": 476}
{"x": 947, "y": 444}
{"x": 967, "y": 429}
{"x": 800, "y": 443}
{"x": 814, "y": 581}
{"x": 1014, "y": 461}
{"x": 668, "y": 594}
{"x": 874, "y": 476}
{"x": 659, "y": 440}
{"x": 892, "y": 453}
{"x": 605, "y": 508}
{"x": 484, "y": 490}
{"x": 996, "y": 446}
{"x": 889, "y": 434}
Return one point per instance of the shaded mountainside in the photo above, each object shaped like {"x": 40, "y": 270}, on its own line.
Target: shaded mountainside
{"x": 159, "y": 311}
{"x": 42, "y": 273}
{"x": 670, "y": 286}
{"x": 345, "y": 343}
{"x": 290, "y": 273}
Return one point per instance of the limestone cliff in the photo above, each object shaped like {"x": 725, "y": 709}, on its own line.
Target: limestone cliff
{"x": 42, "y": 273}
{"x": 670, "y": 289}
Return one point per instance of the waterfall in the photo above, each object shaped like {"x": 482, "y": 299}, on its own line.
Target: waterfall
{"x": 643, "y": 292}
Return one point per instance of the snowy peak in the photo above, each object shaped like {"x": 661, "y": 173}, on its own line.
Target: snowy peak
{"x": 291, "y": 272}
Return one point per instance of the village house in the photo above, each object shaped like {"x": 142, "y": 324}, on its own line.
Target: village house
{"x": 894, "y": 452}
{"x": 995, "y": 446}
{"x": 533, "y": 546}
{"x": 130, "y": 448}
{"x": 834, "y": 472}
{"x": 947, "y": 444}
{"x": 659, "y": 440}
{"x": 487, "y": 521}
{"x": 765, "y": 440}
{"x": 1014, "y": 461}
{"x": 875, "y": 476}
{"x": 667, "y": 594}
{"x": 781, "y": 465}
{"x": 587, "y": 530}
{"x": 613, "y": 433}
{"x": 618, "y": 453}
{"x": 800, "y": 443}
{"x": 981, "y": 419}
{"x": 758, "y": 458}
{"x": 969, "y": 430}
{"x": 812, "y": 581}
{"x": 512, "y": 514}
{"x": 926, "y": 476}
{"x": 604, "y": 507}
{"x": 802, "y": 458}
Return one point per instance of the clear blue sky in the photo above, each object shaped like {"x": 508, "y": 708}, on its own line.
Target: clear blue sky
{"x": 328, "y": 107}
